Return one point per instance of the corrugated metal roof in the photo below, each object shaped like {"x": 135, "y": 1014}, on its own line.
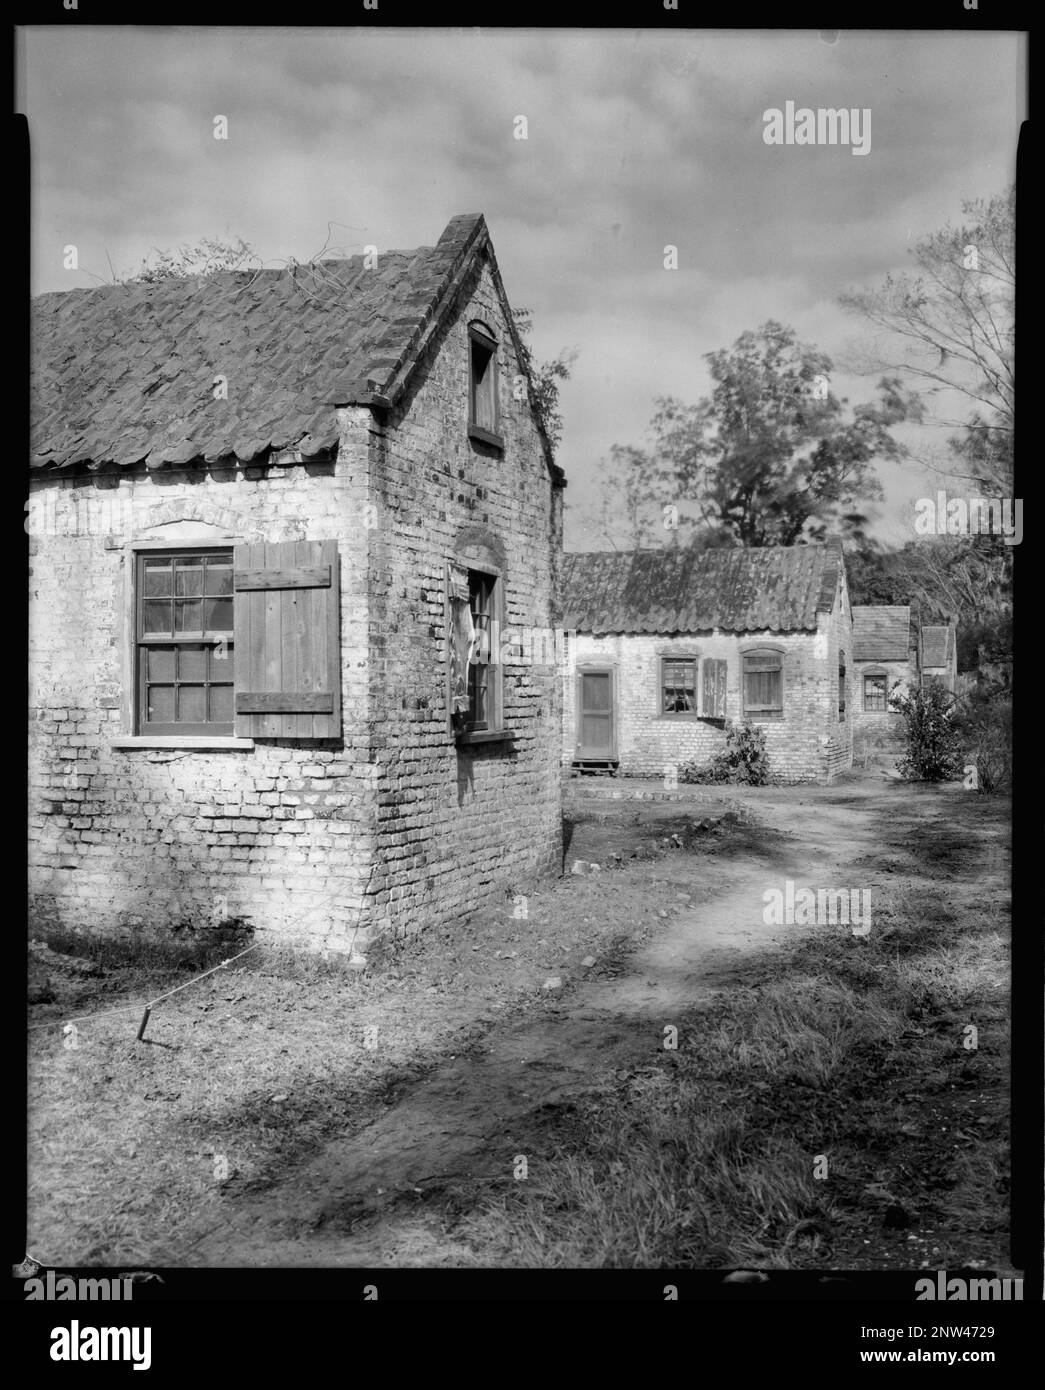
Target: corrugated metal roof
{"x": 125, "y": 373}
{"x": 937, "y": 645}
{"x": 773, "y": 588}
{"x": 881, "y": 633}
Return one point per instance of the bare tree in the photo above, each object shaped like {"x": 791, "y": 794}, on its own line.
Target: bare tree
{"x": 949, "y": 329}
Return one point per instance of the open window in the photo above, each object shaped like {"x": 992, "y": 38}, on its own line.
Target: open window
{"x": 476, "y": 596}
{"x": 764, "y": 683}
{"x": 484, "y": 422}
{"x": 678, "y": 685}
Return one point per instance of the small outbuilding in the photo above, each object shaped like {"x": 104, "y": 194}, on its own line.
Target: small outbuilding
{"x": 285, "y": 528}
{"x": 665, "y": 646}
{"x": 885, "y": 663}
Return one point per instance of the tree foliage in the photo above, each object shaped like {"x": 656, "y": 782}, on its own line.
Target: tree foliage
{"x": 772, "y": 456}
{"x": 546, "y": 377}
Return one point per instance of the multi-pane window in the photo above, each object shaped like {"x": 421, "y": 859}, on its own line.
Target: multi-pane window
{"x": 841, "y": 686}
{"x": 763, "y": 684}
{"x": 184, "y": 643}
{"x": 483, "y": 413}
{"x": 678, "y": 685}
{"x": 874, "y": 693}
{"x": 483, "y": 669}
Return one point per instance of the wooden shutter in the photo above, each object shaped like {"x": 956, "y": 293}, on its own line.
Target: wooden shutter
{"x": 714, "y": 690}
{"x": 287, "y": 640}
{"x": 460, "y": 636}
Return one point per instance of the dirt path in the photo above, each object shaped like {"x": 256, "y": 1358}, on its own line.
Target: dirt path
{"x": 361, "y": 1201}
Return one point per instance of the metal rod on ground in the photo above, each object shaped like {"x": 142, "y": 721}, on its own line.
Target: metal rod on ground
{"x": 194, "y": 981}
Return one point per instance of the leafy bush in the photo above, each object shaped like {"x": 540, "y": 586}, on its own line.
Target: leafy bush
{"x": 743, "y": 760}
{"x": 931, "y": 733}
{"x": 984, "y": 724}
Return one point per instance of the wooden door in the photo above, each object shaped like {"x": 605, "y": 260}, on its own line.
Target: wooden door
{"x": 596, "y": 724}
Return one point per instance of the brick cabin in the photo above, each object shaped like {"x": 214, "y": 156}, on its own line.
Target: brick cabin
{"x": 284, "y": 529}
{"x": 891, "y": 655}
{"x": 885, "y": 662}
{"x": 938, "y": 654}
{"x": 666, "y": 645}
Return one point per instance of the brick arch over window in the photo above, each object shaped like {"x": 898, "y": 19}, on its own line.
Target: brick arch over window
{"x": 482, "y": 544}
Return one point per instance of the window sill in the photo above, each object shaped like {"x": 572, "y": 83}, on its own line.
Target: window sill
{"x": 201, "y": 742}
{"x": 486, "y": 436}
{"x": 690, "y": 718}
{"x": 486, "y": 736}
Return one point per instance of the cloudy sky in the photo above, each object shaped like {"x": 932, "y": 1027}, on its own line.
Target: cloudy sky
{"x": 636, "y": 140}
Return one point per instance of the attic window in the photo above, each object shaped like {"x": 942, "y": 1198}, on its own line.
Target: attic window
{"x": 483, "y": 412}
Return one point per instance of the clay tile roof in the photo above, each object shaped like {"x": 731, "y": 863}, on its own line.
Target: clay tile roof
{"x": 774, "y": 588}
{"x": 937, "y": 645}
{"x": 125, "y": 373}
{"x": 881, "y": 633}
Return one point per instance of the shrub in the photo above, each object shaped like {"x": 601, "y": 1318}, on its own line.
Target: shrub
{"x": 743, "y": 760}
{"x": 984, "y": 724}
{"x": 931, "y": 734}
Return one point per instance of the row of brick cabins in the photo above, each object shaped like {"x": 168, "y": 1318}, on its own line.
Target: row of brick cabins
{"x": 666, "y": 646}
{"x": 276, "y": 518}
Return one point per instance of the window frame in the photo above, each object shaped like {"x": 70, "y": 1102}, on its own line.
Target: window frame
{"x": 130, "y": 736}
{"x": 479, "y": 336}
{"x": 203, "y": 640}
{"x": 492, "y": 729}
{"x": 882, "y": 676}
{"x": 762, "y": 713}
{"x": 843, "y": 687}
{"x": 678, "y": 658}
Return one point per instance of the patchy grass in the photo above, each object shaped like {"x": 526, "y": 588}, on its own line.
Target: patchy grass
{"x": 136, "y": 1146}
{"x": 704, "y": 1156}
{"x": 844, "y": 1049}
